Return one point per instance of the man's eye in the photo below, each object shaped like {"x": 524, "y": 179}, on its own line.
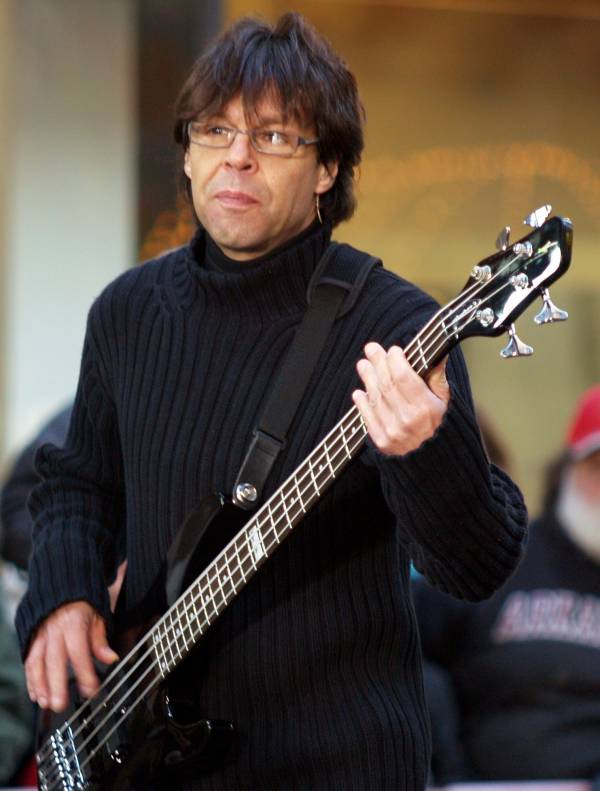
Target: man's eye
{"x": 216, "y": 131}
{"x": 273, "y": 138}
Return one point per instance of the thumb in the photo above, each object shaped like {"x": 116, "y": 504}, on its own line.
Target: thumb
{"x": 100, "y": 647}
{"x": 438, "y": 383}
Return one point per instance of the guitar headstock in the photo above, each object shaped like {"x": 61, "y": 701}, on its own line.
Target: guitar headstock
{"x": 501, "y": 287}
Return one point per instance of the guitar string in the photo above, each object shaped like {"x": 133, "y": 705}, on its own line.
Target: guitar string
{"x": 419, "y": 350}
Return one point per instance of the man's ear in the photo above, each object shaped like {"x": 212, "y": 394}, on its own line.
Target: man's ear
{"x": 187, "y": 168}
{"x": 326, "y": 177}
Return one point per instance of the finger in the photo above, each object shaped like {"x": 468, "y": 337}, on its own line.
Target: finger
{"x": 438, "y": 382}
{"x": 99, "y": 644}
{"x": 80, "y": 656}
{"x": 115, "y": 588}
{"x": 377, "y": 356}
{"x": 370, "y": 417}
{"x": 408, "y": 383}
{"x": 366, "y": 371}
{"x": 35, "y": 671}
{"x": 56, "y": 671}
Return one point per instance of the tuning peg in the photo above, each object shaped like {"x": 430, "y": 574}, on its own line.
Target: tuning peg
{"x": 515, "y": 346}
{"x": 549, "y": 312}
{"x": 503, "y": 238}
{"x": 538, "y": 217}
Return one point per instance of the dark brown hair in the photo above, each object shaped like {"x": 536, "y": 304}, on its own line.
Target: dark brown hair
{"x": 293, "y": 65}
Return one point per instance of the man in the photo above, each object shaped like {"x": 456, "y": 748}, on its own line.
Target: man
{"x": 525, "y": 664}
{"x": 317, "y": 661}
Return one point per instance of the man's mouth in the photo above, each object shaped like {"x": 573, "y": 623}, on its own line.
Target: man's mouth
{"x": 235, "y": 199}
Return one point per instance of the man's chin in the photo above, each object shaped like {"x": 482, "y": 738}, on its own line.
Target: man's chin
{"x": 241, "y": 249}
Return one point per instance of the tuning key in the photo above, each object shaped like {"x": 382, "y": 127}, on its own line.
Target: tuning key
{"x": 515, "y": 346}
{"x": 549, "y": 313}
{"x": 538, "y": 217}
{"x": 503, "y": 238}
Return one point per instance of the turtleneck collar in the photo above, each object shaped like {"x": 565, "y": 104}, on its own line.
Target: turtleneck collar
{"x": 270, "y": 285}
{"x": 217, "y": 261}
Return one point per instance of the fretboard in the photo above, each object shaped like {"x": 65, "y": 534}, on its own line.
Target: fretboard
{"x": 202, "y": 603}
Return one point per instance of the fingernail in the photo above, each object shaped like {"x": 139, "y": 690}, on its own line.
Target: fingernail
{"x": 43, "y": 703}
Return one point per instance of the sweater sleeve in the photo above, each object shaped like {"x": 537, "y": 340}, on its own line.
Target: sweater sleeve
{"x": 77, "y": 509}
{"x": 462, "y": 519}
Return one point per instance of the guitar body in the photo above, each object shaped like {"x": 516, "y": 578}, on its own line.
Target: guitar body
{"x": 162, "y": 737}
{"x": 161, "y": 742}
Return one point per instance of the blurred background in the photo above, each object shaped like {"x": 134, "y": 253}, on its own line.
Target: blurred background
{"x": 478, "y": 111}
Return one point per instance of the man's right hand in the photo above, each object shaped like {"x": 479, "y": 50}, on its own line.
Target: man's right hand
{"x": 73, "y": 635}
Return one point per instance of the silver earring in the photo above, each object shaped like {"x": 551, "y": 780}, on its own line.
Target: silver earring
{"x": 318, "y": 209}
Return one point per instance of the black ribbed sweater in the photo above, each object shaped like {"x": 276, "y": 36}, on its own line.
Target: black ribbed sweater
{"x": 317, "y": 661}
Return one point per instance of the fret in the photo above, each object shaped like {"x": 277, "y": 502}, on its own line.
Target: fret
{"x": 328, "y": 457}
{"x": 299, "y": 494}
{"x": 164, "y": 643}
{"x": 206, "y": 622}
{"x": 193, "y": 593}
{"x": 249, "y": 534}
{"x": 188, "y": 625}
{"x": 208, "y": 598}
{"x": 273, "y": 521}
{"x": 175, "y": 629}
{"x": 204, "y": 599}
{"x": 168, "y": 637}
{"x": 239, "y": 560}
{"x": 286, "y": 513}
{"x": 345, "y": 444}
{"x": 161, "y": 659}
{"x": 257, "y": 546}
{"x": 228, "y": 576}
{"x": 222, "y": 580}
{"x": 312, "y": 474}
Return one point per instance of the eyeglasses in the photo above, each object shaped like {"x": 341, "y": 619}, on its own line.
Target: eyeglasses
{"x": 265, "y": 141}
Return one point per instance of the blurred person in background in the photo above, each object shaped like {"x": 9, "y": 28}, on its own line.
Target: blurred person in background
{"x": 449, "y": 762}
{"x": 525, "y": 665}
{"x": 16, "y": 526}
{"x": 317, "y": 660}
{"x": 15, "y": 519}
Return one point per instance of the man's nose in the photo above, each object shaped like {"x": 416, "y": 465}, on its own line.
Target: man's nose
{"x": 240, "y": 154}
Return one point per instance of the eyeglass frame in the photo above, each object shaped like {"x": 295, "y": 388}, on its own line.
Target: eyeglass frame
{"x": 300, "y": 141}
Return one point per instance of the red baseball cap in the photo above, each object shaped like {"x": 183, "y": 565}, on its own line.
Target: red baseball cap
{"x": 583, "y": 435}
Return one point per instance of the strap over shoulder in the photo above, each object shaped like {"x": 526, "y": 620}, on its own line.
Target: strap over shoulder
{"x": 344, "y": 267}
{"x": 332, "y": 292}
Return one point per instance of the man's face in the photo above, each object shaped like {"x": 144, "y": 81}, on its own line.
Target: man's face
{"x": 250, "y": 202}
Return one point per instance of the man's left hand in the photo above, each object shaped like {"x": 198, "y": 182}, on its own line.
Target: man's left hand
{"x": 400, "y": 409}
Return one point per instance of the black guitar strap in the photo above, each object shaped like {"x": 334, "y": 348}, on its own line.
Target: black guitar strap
{"x": 332, "y": 292}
